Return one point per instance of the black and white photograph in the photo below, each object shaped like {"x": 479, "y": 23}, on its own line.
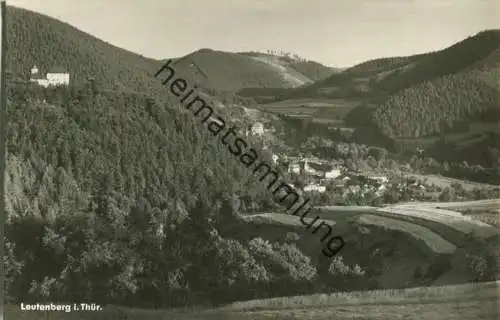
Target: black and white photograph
{"x": 250, "y": 159}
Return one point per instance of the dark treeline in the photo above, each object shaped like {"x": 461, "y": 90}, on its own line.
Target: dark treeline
{"x": 436, "y": 106}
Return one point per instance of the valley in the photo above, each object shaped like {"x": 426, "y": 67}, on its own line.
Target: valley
{"x": 116, "y": 195}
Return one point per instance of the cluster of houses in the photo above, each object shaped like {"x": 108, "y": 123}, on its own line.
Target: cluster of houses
{"x": 320, "y": 173}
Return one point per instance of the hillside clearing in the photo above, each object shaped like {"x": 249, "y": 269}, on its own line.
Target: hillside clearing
{"x": 444, "y": 182}
{"x": 484, "y": 205}
{"x": 291, "y": 76}
{"x": 448, "y": 218}
{"x": 434, "y": 241}
{"x": 281, "y": 219}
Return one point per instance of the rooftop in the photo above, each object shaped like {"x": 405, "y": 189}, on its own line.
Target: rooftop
{"x": 37, "y": 76}
{"x": 57, "y": 69}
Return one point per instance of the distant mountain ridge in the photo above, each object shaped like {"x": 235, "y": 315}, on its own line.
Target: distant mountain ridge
{"x": 228, "y": 71}
{"x": 392, "y": 74}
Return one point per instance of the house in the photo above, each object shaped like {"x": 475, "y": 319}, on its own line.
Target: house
{"x": 333, "y": 174}
{"x": 310, "y": 170}
{"x": 314, "y": 187}
{"x": 377, "y": 178}
{"x": 275, "y": 158}
{"x": 56, "y": 76}
{"x": 295, "y": 168}
{"x": 257, "y": 129}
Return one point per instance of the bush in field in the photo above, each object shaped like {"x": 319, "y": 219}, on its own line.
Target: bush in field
{"x": 291, "y": 271}
{"x": 283, "y": 260}
{"x": 482, "y": 266}
{"x": 291, "y": 237}
{"x": 344, "y": 276}
{"x": 237, "y": 265}
{"x": 230, "y": 272}
{"x": 338, "y": 267}
{"x": 447, "y": 195}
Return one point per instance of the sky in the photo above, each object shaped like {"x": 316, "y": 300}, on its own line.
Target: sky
{"x": 338, "y": 33}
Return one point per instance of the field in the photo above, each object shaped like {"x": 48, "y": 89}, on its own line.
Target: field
{"x": 280, "y": 219}
{"x": 330, "y": 111}
{"x": 465, "y": 302}
{"x": 464, "y": 224}
{"x": 434, "y": 241}
{"x": 444, "y": 182}
{"x": 294, "y": 78}
{"x": 474, "y": 131}
{"x": 477, "y": 205}
{"x": 435, "y": 223}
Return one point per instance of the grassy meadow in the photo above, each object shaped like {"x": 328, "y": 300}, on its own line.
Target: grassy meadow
{"x": 467, "y": 301}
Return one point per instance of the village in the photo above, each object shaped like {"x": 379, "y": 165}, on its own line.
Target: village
{"x": 332, "y": 182}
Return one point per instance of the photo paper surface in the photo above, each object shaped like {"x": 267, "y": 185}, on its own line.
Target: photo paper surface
{"x": 192, "y": 160}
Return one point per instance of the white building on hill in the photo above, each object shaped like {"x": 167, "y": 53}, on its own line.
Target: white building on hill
{"x": 56, "y": 76}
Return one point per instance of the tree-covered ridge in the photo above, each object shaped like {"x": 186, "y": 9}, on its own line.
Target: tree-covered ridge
{"x": 436, "y": 106}
{"x": 375, "y": 66}
{"x": 143, "y": 146}
{"x": 386, "y": 76}
{"x": 451, "y": 60}
{"x": 36, "y": 39}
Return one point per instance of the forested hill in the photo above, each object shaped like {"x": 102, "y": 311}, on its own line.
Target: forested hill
{"x": 231, "y": 72}
{"x": 36, "y": 39}
{"x": 379, "y": 78}
{"x": 451, "y": 60}
{"x": 435, "y": 107}
{"x": 103, "y": 186}
{"x": 454, "y": 117}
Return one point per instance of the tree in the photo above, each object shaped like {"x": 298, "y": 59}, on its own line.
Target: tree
{"x": 446, "y": 195}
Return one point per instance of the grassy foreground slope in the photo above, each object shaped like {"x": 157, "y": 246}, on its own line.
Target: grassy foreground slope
{"x": 468, "y": 302}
